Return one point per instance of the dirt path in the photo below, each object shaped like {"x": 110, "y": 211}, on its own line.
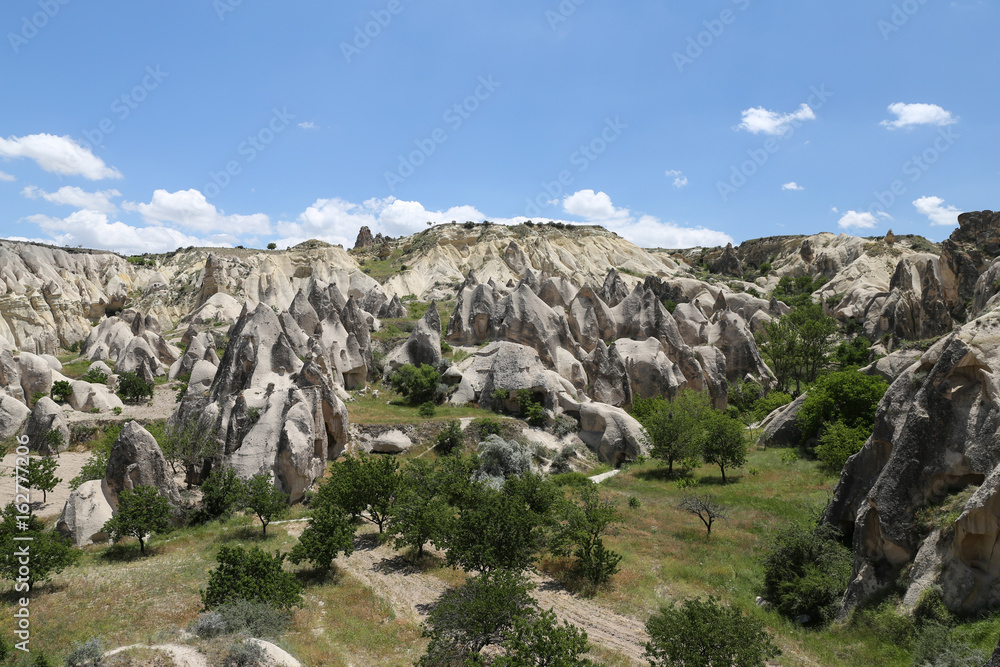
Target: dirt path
{"x": 411, "y": 592}
{"x": 70, "y": 464}
{"x": 183, "y": 656}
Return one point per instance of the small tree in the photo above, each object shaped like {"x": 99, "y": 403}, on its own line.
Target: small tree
{"x": 366, "y": 484}
{"x": 189, "y": 445}
{"x": 705, "y": 509}
{"x": 705, "y": 634}
{"x": 450, "y": 439}
{"x": 272, "y": 246}
{"x": 541, "y": 640}
{"x": 61, "y": 391}
{"x": 264, "y": 499}
{"x": 50, "y": 552}
{"x": 416, "y": 384}
{"x": 330, "y": 531}
{"x": 141, "y": 511}
{"x": 585, "y": 523}
{"x": 222, "y": 493}
{"x": 421, "y": 514}
{"x": 724, "y": 442}
{"x": 132, "y": 388}
{"x": 673, "y": 429}
{"x": 41, "y": 474}
{"x": 251, "y": 575}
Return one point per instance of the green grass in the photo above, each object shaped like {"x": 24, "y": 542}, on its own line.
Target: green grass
{"x": 667, "y": 556}
{"x": 76, "y": 369}
{"x": 390, "y": 408}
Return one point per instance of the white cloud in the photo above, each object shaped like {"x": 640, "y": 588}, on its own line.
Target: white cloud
{"x": 58, "y": 155}
{"x": 190, "y": 209}
{"x": 939, "y": 214}
{"x": 792, "y": 186}
{"x": 593, "y": 206}
{"x": 854, "y": 219}
{"x": 74, "y": 196}
{"x": 650, "y": 232}
{"x": 909, "y": 115}
{"x": 308, "y": 125}
{"x": 834, "y": 209}
{"x": 759, "y": 119}
{"x": 680, "y": 180}
{"x": 4, "y": 176}
{"x": 93, "y": 230}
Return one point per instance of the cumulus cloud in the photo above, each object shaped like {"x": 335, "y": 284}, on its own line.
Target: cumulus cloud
{"x": 190, "y": 209}
{"x": 76, "y": 197}
{"x": 939, "y": 214}
{"x": 863, "y": 220}
{"x": 92, "y": 229}
{"x": 58, "y": 155}
{"x": 792, "y": 186}
{"x": 680, "y": 180}
{"x": 4, "y": 176}
{"x": 308, "y": 125}
{"x": 910, "y": 115}
{"x": 593, "y": 206}
{"x": 759, "y": 120}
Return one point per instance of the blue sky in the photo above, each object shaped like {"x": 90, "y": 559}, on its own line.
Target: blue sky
{"x": 147, "y": 126}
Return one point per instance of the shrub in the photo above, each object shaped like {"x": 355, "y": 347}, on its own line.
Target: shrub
{"x": 61, "y": 391}
{"x": 244, "y": 653}
{"x": 581, "y": 533}
{"x": 930, "y": 608}
{"x": 561, "y": 463}
{"x": 765, "y": 406}
{"x": 845, "y": 396}
{"x": 222, "y": 493}
{"x": 500, "y": 459}
{"x": 839, "y": 442}
{"x": 208, "y": 624}
{"x": 251, "y": 575}
{"x": 141, "y": 512}
{"x": 426, "y": 409}
{"x": 97, "y": 465}
{"x": 330, "y": 531}
{"x": 484, "y": 427}
{"x": 51, "y": 553}
{"x": 450, "y": 439}
{"x": 132, "y": 388}
{"x": 117, "y": 410}
{"x": 417, "y": 385}
{"x": 936, "y": 646}
{"x": 257, "y": 619}
{"x": 707, "y": 633}
{"x": 262, "y": 498}
{"x": 95, "y": 376}
{"x": 570, "y": 479}
{"x": 272, "y": 246}
{"x": 90, "y": 652}
{"x": 634, "y": 503}
{"x": 806, "y": 571}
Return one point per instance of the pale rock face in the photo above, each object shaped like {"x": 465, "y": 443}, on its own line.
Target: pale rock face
{"x": 390, "y": 442}
{"x": 611, "y": 432}
{"x": 609, "y": 376}
{"x": 35, "y": 373}
{"x": 86, "y": 397}
{"x": 13, "y": 415}
{"x": 590, "y": 319}
{"x": 53, "y": 363}
{"x": 139, "y": 357}
{"x": 84, "y": 515}
{"x": 278, "y": 656}
{"x": 46, "y": 416}
{"x": 780, "y": 428}
{"x": 136, "y": 460}
{"x": 523, "y": 318}
{"x": 650, "y": 372}
{"x": 423, "y": 345}
{"x": 510, "y": 367}
{"x": 730, "y": 334}
{"x": 220, "y": 307}
{"x": 200, "y": 348}
{"x": 472, "y": 321}
{"x": 614, "y": 290}
{"x": 889, "y": 367}
{"x": 10, "y": 371}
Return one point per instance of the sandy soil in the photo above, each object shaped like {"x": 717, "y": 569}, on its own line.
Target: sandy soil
{"x": 183, "y": 656}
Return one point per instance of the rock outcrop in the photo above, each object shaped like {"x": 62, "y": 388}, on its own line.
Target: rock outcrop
{"x": 85, "y": 513}
{"x": 136, "y": 460}
{"x": 612, "y": 433}
{"x": 47, "y": 417}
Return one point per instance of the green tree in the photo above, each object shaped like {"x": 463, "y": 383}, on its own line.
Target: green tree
{"x": 132, "y": 388}
{"x": 187, "y": 444}
{"x": 142, "y": 511}
{"x": 723, "y": 442}
{"x": 251, "y": 575}
{"x": 673, "y": 429}
{"x": 41, "y": 474}
{"x": 586, "y": 521}
{"x": 765, "y": 406}
{"x": 481, "y": 612}
{"x": 330, "y": 531}
{"x": 540, "y": 640}
{"x": 222, "y": 493}
{"x": 806, "y": 571}
{"x": 61, "y": 391}
{"x": 450, "y": 439}
{"x": 421, "y": 513}
{"x": 845, "y": 396}
{"x": 272, "y": 246}
{"x": 839, "y": 442}
{"x": 49, "y": 552}
{"x": 416, "y": 384}
{"x": 815, "y": 332}
{"x": 854, "y": 352}
{"x": 264, "y": 499}
{"x": 366, "y": 483}
{"x": 778, "y": 342}
{"x": 707, "y": 634}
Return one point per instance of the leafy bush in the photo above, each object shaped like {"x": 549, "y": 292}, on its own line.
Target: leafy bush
{"x": 251, "y": 575}
{"x": 141, "y": 512}
{"x": 563, "y": 426}
{"x": 132, "y": 388}
{"x": 417, "y": 385}
{"x": 450, "y": 439}
{"x": 95, "y": 376}
{"x": 208, "y": 624}
{"x": 707, "y": 633}
{"x": 484, "y": 427}
{"x": 253, "y": 618}
{"x": 806, "y": 571}
{"x": 222, "y": 493}
{"x": 854, "y": 352}
{"x": 51, "y": 552}
{"x": 768, "y": 404}
{"x": 541, "y": 640}
{"x": 839, "y": 442}
{"x": 570, "y": 479}
{"x": 244, "y": 653}
{"x": 61, "y": 391}
{"x": 90, "y": 652}
{"x": 580, "y": 534}
{"x": 500, "y": 459}
{"x": 930, "y": 608}
{"x": 97, "y": 465}
{"x": 426, "y": 409}
{"x": 845, "y": 396}
{"x": 936, "y": 646}
{"x": 561, "y": 463}
{"x": 531, "y": 409}
{"x": 744, "y": 394}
